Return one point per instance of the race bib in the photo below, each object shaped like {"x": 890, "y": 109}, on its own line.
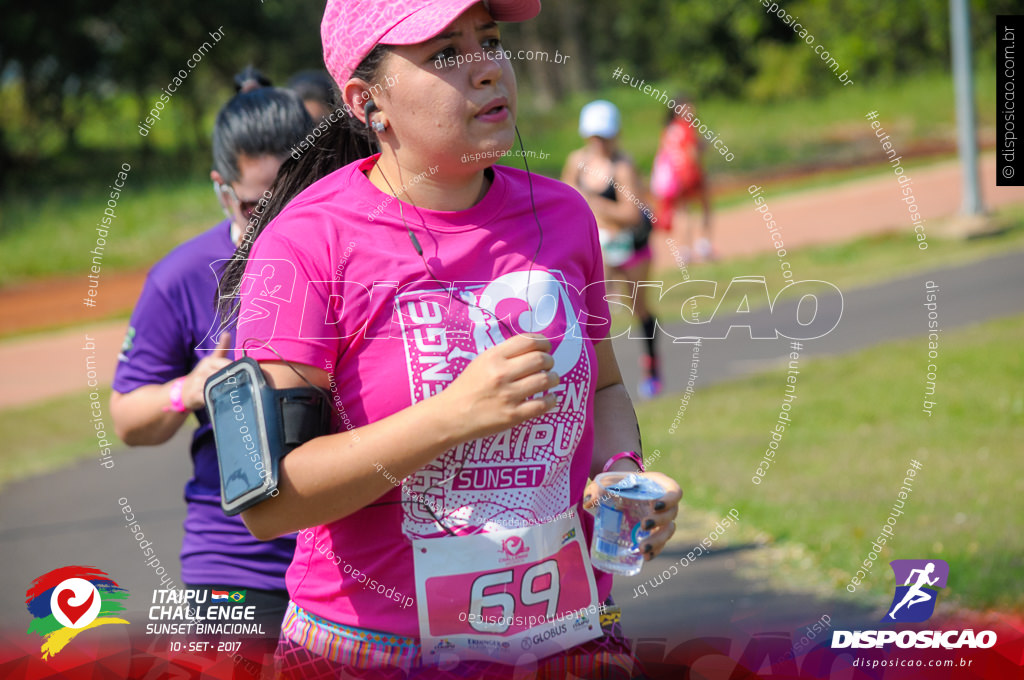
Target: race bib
{"x": 512, "y": 596}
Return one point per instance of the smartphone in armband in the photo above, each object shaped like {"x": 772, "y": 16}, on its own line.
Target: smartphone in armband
{"x": 254, "y": 427}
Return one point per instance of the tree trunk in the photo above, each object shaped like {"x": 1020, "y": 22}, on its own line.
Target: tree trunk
{"x": 540, "y": 76}
{"x": 577, "y": 75}
{"x": 6, "y": 160}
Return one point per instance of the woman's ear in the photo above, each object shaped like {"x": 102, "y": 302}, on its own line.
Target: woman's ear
{"x": 355, "y": 96}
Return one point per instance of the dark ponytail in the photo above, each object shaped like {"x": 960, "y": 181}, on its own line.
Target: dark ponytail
{"x": 343, "y": 142}
{"x": 249, "y": 79}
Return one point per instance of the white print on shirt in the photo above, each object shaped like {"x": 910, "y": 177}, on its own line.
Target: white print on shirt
{"x": 266, "y": 285}
{"x": 516, "y": 477}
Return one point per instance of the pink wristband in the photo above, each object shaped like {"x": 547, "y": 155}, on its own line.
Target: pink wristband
{"x": 632, "y": 455}
{"x": 176, "y": 402}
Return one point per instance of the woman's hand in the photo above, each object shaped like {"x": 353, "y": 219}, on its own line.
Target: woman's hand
{"x": 494, "y": 392}
{"x": 142, "y": 417}
{"x": 661, "y": 523}
{"x": 192, "y": 392}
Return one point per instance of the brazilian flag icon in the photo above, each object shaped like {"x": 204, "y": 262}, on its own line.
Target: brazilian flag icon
{"x": 237, "y": 596}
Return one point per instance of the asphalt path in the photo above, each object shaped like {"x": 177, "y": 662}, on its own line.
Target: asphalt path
{"x": 73, "y": 516}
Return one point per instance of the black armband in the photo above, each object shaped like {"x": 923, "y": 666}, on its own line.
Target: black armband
{"x": 254, "y": 427}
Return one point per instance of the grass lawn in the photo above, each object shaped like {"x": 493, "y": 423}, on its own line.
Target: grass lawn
{"x": 41, "y": 238}
{"x": 45, "y": 436}
{"x": 47, "y": 230}
{"x": 764, "y": 136}
{"x": 856, "y": 424}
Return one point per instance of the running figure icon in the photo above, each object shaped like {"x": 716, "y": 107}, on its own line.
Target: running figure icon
{"x": 916, "y": 594}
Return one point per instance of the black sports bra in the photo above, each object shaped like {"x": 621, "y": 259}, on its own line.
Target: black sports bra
{"x": 609, "y": 191}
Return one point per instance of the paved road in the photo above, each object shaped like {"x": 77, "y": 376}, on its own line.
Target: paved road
{"x": 888, "y": 311}
{"x": 73, "y": 516}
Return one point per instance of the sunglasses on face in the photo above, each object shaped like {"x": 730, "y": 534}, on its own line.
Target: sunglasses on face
{"x": 245, "y": 208}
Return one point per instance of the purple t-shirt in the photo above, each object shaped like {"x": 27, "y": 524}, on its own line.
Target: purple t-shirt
{"x": 171, "y": 329}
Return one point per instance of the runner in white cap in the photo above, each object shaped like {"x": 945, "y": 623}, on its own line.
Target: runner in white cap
{"x": 608, "y": 179}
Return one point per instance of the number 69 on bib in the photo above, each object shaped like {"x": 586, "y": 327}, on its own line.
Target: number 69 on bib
{"x": 506, "y": 595}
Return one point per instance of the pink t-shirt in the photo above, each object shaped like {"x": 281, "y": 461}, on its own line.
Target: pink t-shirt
{"x": 335, "y": 282}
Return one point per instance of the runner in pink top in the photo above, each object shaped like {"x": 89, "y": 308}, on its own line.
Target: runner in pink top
{"x": 455, "y": 311}
{"x": 383, "y": 361}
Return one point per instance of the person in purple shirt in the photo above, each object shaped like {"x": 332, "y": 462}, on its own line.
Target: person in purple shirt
{"x": 172, "y": 347}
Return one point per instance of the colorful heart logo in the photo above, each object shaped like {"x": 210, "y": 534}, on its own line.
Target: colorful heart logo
{"x": 71, "y": 599}
{"x": 75, "y": 603}
{"x": 514, "y": 545}
{"x": 73, "y": 612}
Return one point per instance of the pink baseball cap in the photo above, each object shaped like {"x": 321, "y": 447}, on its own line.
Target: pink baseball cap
{"x": 352, "y": 28}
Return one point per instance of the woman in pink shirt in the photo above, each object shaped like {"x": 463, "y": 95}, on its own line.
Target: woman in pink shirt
{"x": 455, "y": 311}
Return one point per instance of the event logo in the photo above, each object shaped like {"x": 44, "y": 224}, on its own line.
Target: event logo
{"x": 514, "y": 548}
{"x": 66, "y": 601}
{"x": 914, "y": 601}
{"x": 581, "y": 621}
